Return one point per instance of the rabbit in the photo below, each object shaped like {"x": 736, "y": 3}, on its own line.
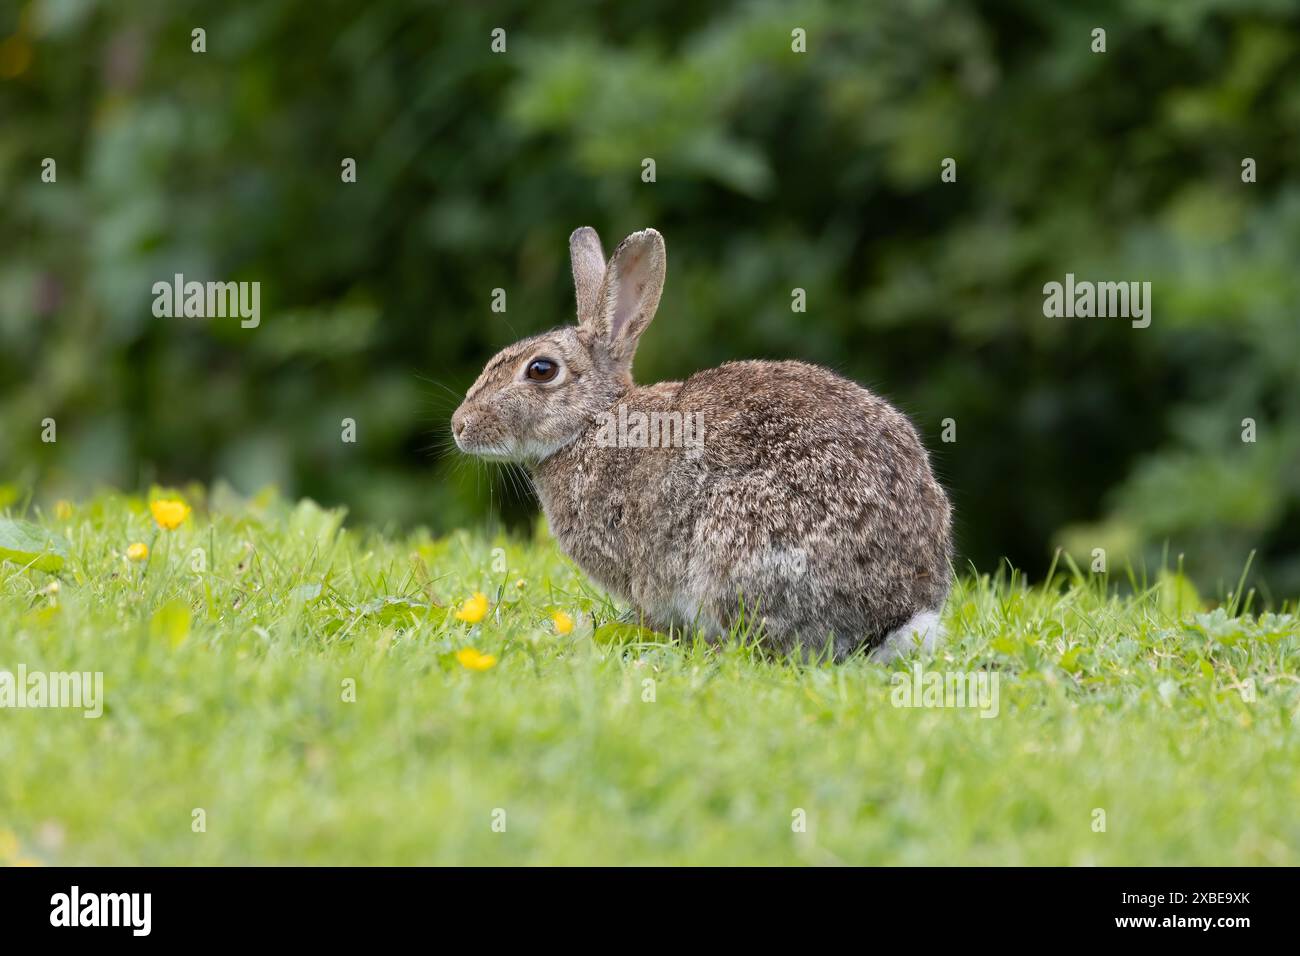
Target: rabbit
{"x": 787, "y": 498}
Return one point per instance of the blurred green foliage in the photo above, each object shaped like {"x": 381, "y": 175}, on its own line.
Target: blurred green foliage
{"x": 775, "y": 170}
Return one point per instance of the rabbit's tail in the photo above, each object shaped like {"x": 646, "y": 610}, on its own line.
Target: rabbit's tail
{"x": 922, "y": 632}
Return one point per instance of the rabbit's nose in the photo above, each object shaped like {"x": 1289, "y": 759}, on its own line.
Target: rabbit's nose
{"x": 458, "y": 423}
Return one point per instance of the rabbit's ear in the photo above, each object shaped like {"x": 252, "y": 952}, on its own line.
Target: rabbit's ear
{"x": 588, "y": 260}
{"x": 629, "y": 296}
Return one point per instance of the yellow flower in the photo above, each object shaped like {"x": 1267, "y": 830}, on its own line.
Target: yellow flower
{"x": 138, "y": 551}
{"x": 471, "y": 659}
{"x": 474, "y": 609}
{"x": 169, "y": 512}
{"x": 563, "y": 623}
{"x": 63, "y": 510}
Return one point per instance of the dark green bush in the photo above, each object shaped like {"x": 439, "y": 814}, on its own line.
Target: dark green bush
{"x": 775, "y": 170}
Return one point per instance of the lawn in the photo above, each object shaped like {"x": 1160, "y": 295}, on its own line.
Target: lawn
{"x": 279, "y": 689}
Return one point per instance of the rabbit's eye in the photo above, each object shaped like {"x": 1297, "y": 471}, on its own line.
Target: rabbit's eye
{"x": 542, "y": 370}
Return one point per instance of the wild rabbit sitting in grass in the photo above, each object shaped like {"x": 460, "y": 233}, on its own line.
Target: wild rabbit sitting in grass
{"x": 785, "y": 497}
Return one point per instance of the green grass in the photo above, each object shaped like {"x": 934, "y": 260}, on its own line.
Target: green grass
{"x": 224, "y": 692}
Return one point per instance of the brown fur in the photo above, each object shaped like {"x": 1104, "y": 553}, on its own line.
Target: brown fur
{"x": 809, "y": 502}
